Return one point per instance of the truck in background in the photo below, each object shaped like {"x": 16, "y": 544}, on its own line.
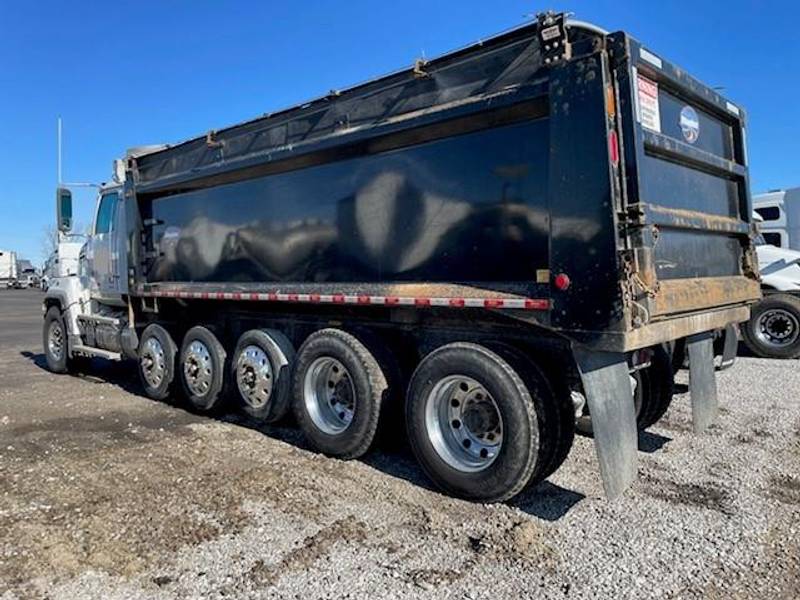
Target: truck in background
{"x": 780, "y": 211}
{"x": 8, "y": 268}
{"x": 27, "y": 275}
{"x": 478, "y": 251}
{"x": 773, "y": 330}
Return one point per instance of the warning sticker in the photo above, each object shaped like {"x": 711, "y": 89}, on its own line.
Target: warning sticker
{"x": 647, "y": 96}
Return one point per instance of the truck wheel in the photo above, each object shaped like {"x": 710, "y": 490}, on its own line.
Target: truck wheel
{"x": 472, "y": 423}
{"x": 655, "y": 389}
{"x": 556, "y": 417}
{"x": 338, "y": 389}
{"x": 55, "y": 341}
{"x": 203, "y": 367}
{"x": 773, "y": 330}
{"x": 157, "y": 352}
{"x": 260, "y": 368}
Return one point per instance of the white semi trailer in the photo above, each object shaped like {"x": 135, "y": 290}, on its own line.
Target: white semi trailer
{"x": 8, "y": 268}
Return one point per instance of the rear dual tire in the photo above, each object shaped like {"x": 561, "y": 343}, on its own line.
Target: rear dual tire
{"x": 338, "y": 391}
{"x": 474, "y": 422}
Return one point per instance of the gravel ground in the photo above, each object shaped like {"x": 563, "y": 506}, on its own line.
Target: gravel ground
{"x": 106, "y": 494}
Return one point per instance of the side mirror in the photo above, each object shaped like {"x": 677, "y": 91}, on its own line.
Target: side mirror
{"x": 64, "y": 209}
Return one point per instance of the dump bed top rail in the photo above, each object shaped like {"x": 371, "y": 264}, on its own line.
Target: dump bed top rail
{"x": 495, "y": 71}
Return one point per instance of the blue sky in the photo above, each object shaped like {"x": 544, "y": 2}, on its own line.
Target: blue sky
{"x": 129, "y": 73}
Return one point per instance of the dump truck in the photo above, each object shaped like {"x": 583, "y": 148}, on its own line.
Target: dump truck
{"x": 476, "y": 252}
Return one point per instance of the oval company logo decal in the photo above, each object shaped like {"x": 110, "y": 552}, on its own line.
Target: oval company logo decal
{"x": 690, "y": 124}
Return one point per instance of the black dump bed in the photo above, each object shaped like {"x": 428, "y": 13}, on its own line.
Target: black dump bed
{"x": 569, "y": 176}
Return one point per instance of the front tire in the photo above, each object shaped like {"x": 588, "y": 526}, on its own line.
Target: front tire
{"x": 203, "y": 365}
{"x": 472, "y": 423}
{"x": 773, "y": 330}
{"x": 54, "y": 334}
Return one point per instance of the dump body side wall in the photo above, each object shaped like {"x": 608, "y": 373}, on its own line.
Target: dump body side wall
{"x": 471, "y": 208}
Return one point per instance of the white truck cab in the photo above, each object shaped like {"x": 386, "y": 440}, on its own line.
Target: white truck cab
{"x": 90, "y": 292}
{"x": 779, "y": 212}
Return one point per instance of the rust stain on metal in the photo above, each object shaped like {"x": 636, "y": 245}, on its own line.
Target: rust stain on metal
{"x": 683, "y": 295}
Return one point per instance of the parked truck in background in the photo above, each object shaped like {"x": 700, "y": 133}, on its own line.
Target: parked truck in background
{"x": 8, "y": 268}
{"x": 27, "y": 275}
{"x": 478, "y": 251}
{"x": 773, "y": 330}
{"x": 780, "y": 211}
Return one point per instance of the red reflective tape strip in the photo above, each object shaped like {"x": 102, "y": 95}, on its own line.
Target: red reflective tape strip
{"x": 492, "y": 303}
{"x": 537, "y": 304}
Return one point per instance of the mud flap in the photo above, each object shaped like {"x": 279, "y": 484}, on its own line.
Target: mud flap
{"x": 606, "y": 383}
{"x": 702, "y": 380}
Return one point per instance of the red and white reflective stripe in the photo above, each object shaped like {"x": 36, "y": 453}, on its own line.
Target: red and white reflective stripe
{"x": 415, "y": 301}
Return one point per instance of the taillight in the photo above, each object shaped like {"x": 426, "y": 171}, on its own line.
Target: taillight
{"x": 562, "y": 281}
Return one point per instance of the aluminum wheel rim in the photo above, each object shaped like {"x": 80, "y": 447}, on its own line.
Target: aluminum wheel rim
{"x": 329, "y": 395}
{"x": 55, "y": 340}
{"x": 777, "y": 328}
{"x": 152, "y": 362}
{"x": 254, "y": 376}
{"x": 198, "y": 369}
{"x": 463, "y": 423}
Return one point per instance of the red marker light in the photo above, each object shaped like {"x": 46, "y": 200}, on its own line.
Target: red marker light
{"x": 613, "y": 148}
{"x": 562, "y": 281}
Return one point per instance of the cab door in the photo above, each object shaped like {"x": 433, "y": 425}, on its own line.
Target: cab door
{"x": 105, "y": 267}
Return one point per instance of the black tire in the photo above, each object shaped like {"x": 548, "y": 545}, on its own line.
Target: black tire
{"x": 156, "y": 362}
{"x": 57, "y": 353}
{"x": 268, "y": 404}
{"x": 775, "y": 316}
{"x": 657, "y": 385}
{"x": 347, "y": 429}
{"x": 205, "y": 391}
{"x": 554, "y": 410}
{"x": 516, "y": 460}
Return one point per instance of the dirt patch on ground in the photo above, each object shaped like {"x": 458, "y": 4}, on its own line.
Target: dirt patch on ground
{"x": 348, "y": 530}
{"x": 705, "y": 495}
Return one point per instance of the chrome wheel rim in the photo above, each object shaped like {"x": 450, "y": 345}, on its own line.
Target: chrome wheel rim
{"x": 464, "y": 423}
{"x": 197, "y": 368}
{"x": 254, "y": 376}
{"x": 777, "y": 327}
{"x": 329, "y": 395}
{"x": 152, "y": 362}
{"x": 55, "y": 340}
